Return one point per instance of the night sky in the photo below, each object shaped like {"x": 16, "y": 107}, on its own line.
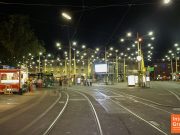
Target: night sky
{"x": 100, "y": 23}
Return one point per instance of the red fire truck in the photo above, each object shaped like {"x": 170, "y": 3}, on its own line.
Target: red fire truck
{"x": 12, "y": 80}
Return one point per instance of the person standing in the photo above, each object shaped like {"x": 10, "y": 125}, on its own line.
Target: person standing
{"x": 65, "y": 83}
{"x": 60, "y": 83}
{"x": 90, "y": 81}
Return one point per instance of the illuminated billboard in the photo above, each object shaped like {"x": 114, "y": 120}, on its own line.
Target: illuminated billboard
{"x": 100, "y": 68}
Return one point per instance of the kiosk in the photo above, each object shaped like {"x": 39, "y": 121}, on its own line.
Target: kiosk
{"x": 12, "y": 80}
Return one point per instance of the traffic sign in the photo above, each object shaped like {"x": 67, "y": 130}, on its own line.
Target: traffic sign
{"x": 150, "y": 69}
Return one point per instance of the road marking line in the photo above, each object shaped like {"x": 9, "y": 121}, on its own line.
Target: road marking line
{"x": 42, "y": 115}
{"x": 176, "y": 109}
{"x": 77, "y": 99}
{"x": 12, "y": 103}
{"x": 61, "y": 102}
{"x": 22, "y": 110}
{"x": 95, "y": 114}
{"x": 140, "y": 118}
{"x": 178, "y": 98}
{"x": 54, "y": 122}
{"x": 132, "y": 98}
{"x": 154, "y": 123}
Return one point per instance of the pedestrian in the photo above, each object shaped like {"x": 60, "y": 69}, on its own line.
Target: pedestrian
{"x": 85, "y": 82}
{"x": 65, "y": 83}
{"x": 90, "y": 81}
{"x": 60, "y": 83}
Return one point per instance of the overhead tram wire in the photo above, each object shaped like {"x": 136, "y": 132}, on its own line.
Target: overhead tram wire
{"x": 38, "y": 4}
{"x": 92, "y": 7}
{"x": 120, "y": 23}
{"x": 79, "y": 20}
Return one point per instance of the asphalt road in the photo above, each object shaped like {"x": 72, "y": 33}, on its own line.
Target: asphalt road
{"x": 97, "y": 110}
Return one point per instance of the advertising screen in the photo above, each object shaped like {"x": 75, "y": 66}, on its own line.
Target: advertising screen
{"x": 131, "y": 80}
{"x": 100, "y": 68}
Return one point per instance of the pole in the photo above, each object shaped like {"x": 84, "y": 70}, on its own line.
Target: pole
{"x": 124, "y": 69}
{"x": 116, "y": 68}
{"x": 89, "y": 68}
{"x": 172, "y": 68}
{"x": 65, "y": 66}
{"x": 39, "y": 63}
{"x": 176, "y": 65}
{"x": 74, "y": 66}
{"x": 105, "y": 55}
{"x": 74, "y": 63}
{"x": 69, "y": 62}
{"x": 139, "y": 62}
{"x": 45, "y": 66}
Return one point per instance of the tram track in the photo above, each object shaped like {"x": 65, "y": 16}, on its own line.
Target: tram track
{"x": 96, "y": 118}
{"x": 139, "y": 117}
{"x": 19, "y": 110}
{"x": 131, "y": 97}
{"x": 29, "y": 116}
{"x": 40, "y": 116}
{"x": 144, "y": 99}
{"x": 49, "y": 129}
{"x": 99, "y": 128}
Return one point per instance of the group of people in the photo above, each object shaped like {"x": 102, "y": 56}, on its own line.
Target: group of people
{"x": 87, "y": 82}
{"x": 63, "y": 82}
{"x": 84, "y": 81}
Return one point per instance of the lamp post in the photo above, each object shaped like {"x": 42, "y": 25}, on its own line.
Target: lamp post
{"x": 40, "y": 53}
{"x": 117, "y": 66}
{"x": 45, "y": 64}
{"x": 107, "y": 73}
{"x": 177, "y": 51}
{"x": 124, "y": 65}
{"x": 68, "y": 17}
{"x": 65, "y": 63}
{"x": 116, "y": 62}
{"x": 74, "y": 45}
{"x": 140, "y": 57}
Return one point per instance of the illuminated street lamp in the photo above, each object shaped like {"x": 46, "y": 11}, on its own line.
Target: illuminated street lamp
{"x": 129, "y": 34}
{"x": 122, "y": 40}
{"x": 166, "y": 2}
{"x": 74, "y": 44}
{"x": 40, "y": 53}
{"x": 150, "y": 33}
{"x": 58, "y": 45}
{"x": 117, "y": 71}
{"x": 45, "y": 64}
{"x": 68, "y": 17}
{"x": 83, "y": 46}
{"x": 177, "y": 51}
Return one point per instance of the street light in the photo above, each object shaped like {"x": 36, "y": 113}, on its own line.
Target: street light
{"x": 129, "y": 34}
{"x": 40, "y": 53}
{"x": 74, "y": 44}
{"x": 68, "y": 17}
{"x": 150, "y": 33}
{"x": 46, "y": 61}
{"x": 166, "y": 2}
{"x": 117, "y": 66}
{"x": 58, "y": 45}
{"x": 122, "y": 40}
{"x": 138, "y": 40}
